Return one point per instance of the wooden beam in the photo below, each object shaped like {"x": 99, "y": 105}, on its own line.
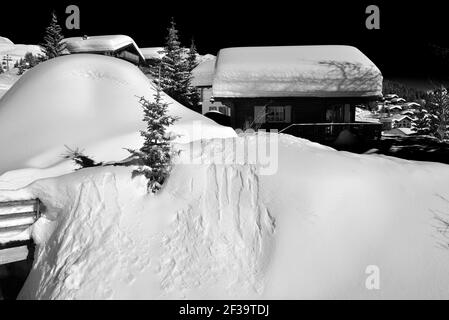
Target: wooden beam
{"x": 14, "y": 254}
{"x": 18, "y": 203}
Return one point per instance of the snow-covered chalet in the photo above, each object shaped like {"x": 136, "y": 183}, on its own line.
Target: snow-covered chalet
{"x": 307, "y": 91}
{"x": 119, "y": 46}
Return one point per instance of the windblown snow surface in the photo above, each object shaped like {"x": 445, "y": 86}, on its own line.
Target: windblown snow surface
{"x": 226, "y": 231}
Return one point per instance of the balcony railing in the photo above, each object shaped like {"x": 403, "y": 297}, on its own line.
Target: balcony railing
{"x": 328, "y": 132}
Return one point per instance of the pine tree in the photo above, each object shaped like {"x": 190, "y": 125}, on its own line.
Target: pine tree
{"x": 155, "y": 156}
{"x": 28, "y": 62}
{"x": 53, "y": 46}
{"x": 438, "y": 107}
{"x": 173, "y": 69}
{"x": 176, "y": 69}
{"x": 192, "y": 59}
{"x": 192, "y": 62}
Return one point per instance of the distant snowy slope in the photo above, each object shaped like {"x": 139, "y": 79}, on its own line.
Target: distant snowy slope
{"x": 7, "y": 79}
{"x": 16, "y": 51}
{"x": 84, "y": 101}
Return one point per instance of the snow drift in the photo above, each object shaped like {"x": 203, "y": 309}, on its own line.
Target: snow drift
{"x": 87, "y": 101}
{"x": 312, "y": 230}
{"x": 295, "y": 71}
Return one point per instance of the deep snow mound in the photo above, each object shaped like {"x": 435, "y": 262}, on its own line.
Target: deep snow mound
{"x": 87, "y": 101}
{"x": 310, "y": 230}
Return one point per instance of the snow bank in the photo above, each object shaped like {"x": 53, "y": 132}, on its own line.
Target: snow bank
{"x": 87, "y": 101}
{"x": 301, "y": 71}
{"x": 223, "y": 231}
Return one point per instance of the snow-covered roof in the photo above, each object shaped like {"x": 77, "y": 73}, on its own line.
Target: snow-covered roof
{"x": 397, "y": 100}
{"x": 394, "y": 106}
{"x": 398, "y": 132}
{"x": 411, "y": 104}
{"x": 152, "y": 53}
{"x": 4, "y": 40}
{"x": 203, "y": 74}
{"x": 100, "y": 43}
{"x": 391, "y": 96}
{"x": 296, "y": 71}
{"x": 400, "y": 118}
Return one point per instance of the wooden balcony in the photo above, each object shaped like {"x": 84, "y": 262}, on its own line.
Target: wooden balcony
{"x": 327, "y": 133}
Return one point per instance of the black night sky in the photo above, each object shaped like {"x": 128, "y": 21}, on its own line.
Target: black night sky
{"x": 404, "y": 47}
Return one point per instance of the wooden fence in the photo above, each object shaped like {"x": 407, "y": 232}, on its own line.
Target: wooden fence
{"x": 15, "y": 218}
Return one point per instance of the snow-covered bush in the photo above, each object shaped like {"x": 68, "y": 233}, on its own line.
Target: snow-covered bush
{"x": 155, "y": 156}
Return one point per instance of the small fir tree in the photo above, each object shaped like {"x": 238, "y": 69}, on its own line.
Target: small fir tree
{"x": 155, "y": 156}
{"x": 52, "y": 45}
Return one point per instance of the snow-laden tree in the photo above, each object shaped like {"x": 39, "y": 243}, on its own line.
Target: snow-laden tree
{"x": 52, "y": 45}
{"x": 438, "y": 107}
{"x": 173, "y": 69}
{"x": 28, "y": 62}
{"x": 174, "y": 72}
{"x": 192, "y": 62}
{"x": 154, "y": 158}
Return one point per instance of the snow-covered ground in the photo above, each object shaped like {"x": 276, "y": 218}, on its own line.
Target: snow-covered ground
{"x": 311, "y": 229}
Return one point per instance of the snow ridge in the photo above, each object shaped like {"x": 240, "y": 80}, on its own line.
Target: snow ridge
{"x": 227, "y": 234}
{"x": 73, "y": 265}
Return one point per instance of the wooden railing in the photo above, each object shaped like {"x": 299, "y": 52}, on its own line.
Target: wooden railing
{"x": 328, "y": 132}
{"x": 15, "y": 218}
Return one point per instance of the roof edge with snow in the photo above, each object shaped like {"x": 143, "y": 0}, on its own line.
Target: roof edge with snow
{"x": 295, "y": 71}
{"x": 100, "y": 43}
